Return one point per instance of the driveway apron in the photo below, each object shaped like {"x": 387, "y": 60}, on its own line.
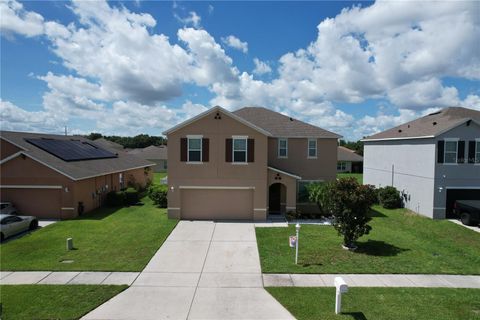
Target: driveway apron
{"x": 204, "y": 270}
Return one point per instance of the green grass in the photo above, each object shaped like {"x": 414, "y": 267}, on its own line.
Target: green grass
{"x": 157, "y": 176}
{"x": 53, "y": 301}
{"x": 358, "y": 176}
{"x": 381, "y": 303}
{"x": 400, "y": 242}
{"x": 107, "y": 239}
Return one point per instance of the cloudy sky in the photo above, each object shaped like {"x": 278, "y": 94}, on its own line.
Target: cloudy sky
{"x": 140, "y": 67}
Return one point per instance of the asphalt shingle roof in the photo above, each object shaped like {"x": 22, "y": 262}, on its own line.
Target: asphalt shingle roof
{"x": 76, "y": 170}
{"x": 345, "y": 154}
{"x": 279, "y": 125}
{"x": 429, "y": 125}
{"x": 150, "y": 152}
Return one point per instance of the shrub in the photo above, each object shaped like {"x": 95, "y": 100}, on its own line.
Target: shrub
{"x": 158, "y": 194}
{"x": 389, "y": 197}
{"x": 317, "y": 193}
{"x": 131, "y": 196}
{"x": 349, "y": 202}
{"x": 115, "y": 198}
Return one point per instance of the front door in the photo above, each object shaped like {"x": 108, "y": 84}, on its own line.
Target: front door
{"x": 274, "y": 202}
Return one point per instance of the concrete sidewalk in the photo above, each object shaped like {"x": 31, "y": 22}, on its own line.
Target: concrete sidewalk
{"x": 372, "y": 280}
{"x": 67, "y": 277}
{"x": 204, "y": 270}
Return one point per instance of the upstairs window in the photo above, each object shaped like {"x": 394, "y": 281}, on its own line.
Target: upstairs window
{"x": 239, "y": 149}
{"x": 194, "y": 150}
{"x": 477, "y": 151}
{"x": 451, "y": 149}
{"x": 282, "y": 148}
{"x": 312, "y": 148}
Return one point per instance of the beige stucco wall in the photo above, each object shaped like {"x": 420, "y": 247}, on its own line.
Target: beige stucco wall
{"x": 217, "y": 172}
{"x": 7, "y": 149}
{"x": 324, "y": 167}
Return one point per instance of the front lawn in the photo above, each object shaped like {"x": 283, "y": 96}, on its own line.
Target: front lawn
{"x": 107, "y": 239}
{"x": 358, "y": 176}
{"x": 53, "y": 301}
{"x": 400, "y": 242}
{"x": 381, "y": 303}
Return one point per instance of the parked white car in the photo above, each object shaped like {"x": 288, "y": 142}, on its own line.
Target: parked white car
{"x": 7, "y": 208}
{"x": 11, "y": 225}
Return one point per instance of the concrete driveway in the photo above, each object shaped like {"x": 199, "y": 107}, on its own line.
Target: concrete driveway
{"x": 204, "y": 270}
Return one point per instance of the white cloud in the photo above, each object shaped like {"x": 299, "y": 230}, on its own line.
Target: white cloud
{"x": 192, "y": 19}
{"x": 15, "y": 19}
{"x": 235, "y": 43}
{"x": 261, "y": 67}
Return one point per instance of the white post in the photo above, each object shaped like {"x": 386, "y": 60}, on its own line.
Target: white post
{"x": 297, "y": 228}
{"x": 69, "y": 243}
{"x": 340, "y": 287}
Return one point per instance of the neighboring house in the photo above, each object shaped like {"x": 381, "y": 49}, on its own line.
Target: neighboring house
{"x": 156, "y": 154}
{"x": 244, "y": 164}
{"x": 55, "y": 176}
{"x": 349, "y": 161}
{"x": 104, "y": 143}
{"x": 433, "y": 160}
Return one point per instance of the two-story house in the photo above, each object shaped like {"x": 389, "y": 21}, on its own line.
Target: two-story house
{"x": 433, "y": 160}
{"x": 244, "y": 164}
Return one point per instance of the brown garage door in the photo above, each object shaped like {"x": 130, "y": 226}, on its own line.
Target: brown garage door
{"x": 42, "y": 203}
{"x": 208, "y": 204}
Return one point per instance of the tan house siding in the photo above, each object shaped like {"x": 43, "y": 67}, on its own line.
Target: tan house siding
{"x": 7, "y": 149}
{"x": 217, "y": 172}
{"x": 322, "y": 168}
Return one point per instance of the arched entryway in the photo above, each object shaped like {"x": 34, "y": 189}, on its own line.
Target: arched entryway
{"x": 277, "y": 198}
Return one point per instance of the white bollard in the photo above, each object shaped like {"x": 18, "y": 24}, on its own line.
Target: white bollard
{"x": 340, "y": 287}
{"x": 69, "y": 244}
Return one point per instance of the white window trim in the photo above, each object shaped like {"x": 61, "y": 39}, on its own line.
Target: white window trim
{"x": 445, "y": 151}
{"x": 233, "y": 150}
{"x": 195, "y": 136}
{"x": 308, "y": 148}
{"x": 477, "y": 141}
{"x": 286, "y": 148}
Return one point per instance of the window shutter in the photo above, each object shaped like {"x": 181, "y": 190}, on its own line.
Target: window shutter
{"x": 183, "y": 149}
{"x": 471, "y": 151}
{"x": 461, "y": 152}
{"x": 251, "y": 150}
{"x": 228, "y": 150}
{"x": 205, "y": 149}
{"x": 440, "y": 151}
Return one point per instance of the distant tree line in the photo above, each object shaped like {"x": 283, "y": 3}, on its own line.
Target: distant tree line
{"x": 138, "y": 141}
{"x": 356, "y": 146}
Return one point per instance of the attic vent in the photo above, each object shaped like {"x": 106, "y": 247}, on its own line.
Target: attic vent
{"x": 218, "y": 116}
{"x": 434, "y": 123}
{"x": 291, "y": 119}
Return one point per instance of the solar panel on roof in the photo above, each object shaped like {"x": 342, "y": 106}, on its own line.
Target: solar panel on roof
{"x": 71, "y": 150}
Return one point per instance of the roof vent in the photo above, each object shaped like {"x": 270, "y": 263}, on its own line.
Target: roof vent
{"x": 468, "y": 122}
{"x": 434, "y": 113}
{"x": 399, "y": 130}
{"x": 291, "y": 119}
{"x": 434, "y": 123}
{"x": 408, "y": 126}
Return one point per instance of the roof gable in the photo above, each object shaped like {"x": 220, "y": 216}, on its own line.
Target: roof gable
{"x": 212, "y": 110}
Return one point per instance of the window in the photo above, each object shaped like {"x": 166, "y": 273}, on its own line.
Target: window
{"x": 302, "y": 190}
{"x": 341, "y": 166}
{"x": 312, "y": 148}
{"x": 282, "y": 148}
{"x": 477, "y": 151}
{"x": 194, "y": 150}
{"x": 450, "y": 155}
{"x": 239, "y": 149}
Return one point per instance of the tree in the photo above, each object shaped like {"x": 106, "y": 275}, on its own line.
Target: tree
{"x": 349, "y": 202}
{"x": 356, "y": 146}
{"x": 317, "y": 192}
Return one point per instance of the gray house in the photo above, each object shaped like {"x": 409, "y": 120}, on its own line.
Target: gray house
{"x": 433, "y": 160}
{"x": 156, "y": 154}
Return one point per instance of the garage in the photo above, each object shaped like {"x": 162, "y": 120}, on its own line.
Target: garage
{"x": 454, "y": 194}
{"x": 41, "y": 203}
{"x": 217, "y": 204}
